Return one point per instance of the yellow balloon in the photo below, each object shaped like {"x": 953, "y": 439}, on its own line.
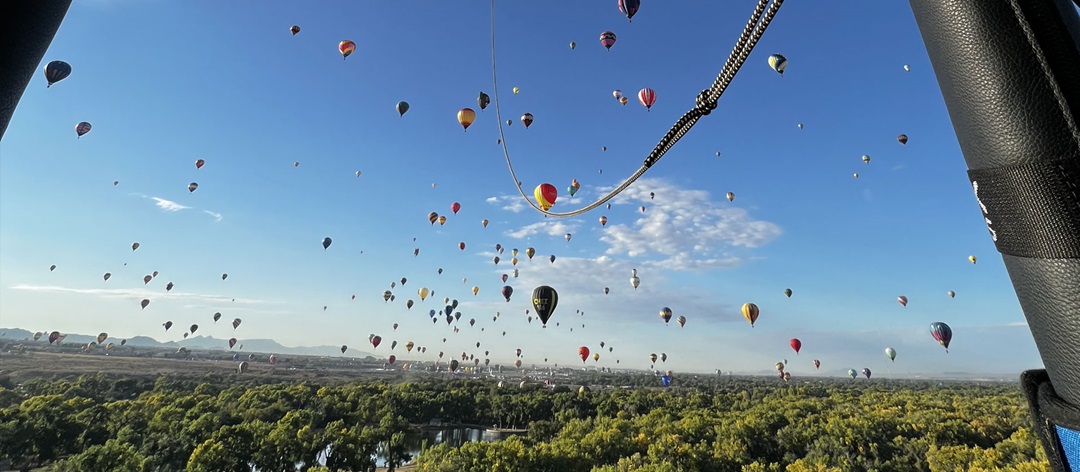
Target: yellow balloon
{"x": 423, "y": 293}
{"x": 751, "y": 312}
{"x": 465, "y": 116}
{"x": 516, "y": 90}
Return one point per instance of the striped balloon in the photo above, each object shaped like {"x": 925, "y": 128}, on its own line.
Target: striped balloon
{"x": 607, "y": 39}
{"x": 647, "y": 97}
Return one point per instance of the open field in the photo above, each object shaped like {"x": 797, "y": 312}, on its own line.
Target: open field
{"x": 23, "y": 367}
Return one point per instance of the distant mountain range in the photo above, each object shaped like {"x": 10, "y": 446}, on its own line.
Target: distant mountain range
{"x": 268, "y": 346}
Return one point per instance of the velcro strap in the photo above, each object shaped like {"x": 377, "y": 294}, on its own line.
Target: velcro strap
{"x": 1032, "y": 210}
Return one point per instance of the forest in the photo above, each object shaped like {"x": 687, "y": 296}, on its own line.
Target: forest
{"x": 231, "y": 423}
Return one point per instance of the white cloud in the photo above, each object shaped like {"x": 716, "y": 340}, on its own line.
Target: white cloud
{"x": 169, "y": 205}
{"x": 509, "y": 203}
{"x": 217, "y": 216}
{"x": 687, "y": 228}
{"x": 135, "y": 293}
{"x": 550, "y": 228}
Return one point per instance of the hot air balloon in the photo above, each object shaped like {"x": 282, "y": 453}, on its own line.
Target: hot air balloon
{"x": 607, "y": 39}
{"x": 665, "y": 314}
{"x": 344, "y": 348}
{"x": 942, "y": 333}
{"x": 146, "y": 279}
{"x": 193, "y": 328}
{"x": 851, "y": 373}
{"x": 455, "y": 207}
{"x": 199, "y": 163}
{"x": 346, "y": 48}
{"x": 603, "y": 221}
{"x": 527, "y": 119}
{"x": 866, "y": 158}
{"x": 236, "y": 322}
{"x": 647, "y": 97}
{"x": 507, "y": 291}
{"x": 544, "y": 300}
{"x": 545, "y": 195}
{"x": 516, "y": 90}
{"x": 192, "y": 187}
{"x": 778, "y": 63}
{"x": 56, "y": 71}
{"x": 787, "y": 292}
{"x": 484, "y": 223}
{"x": 573, "y": 45}
{"x": 144, "y": 303}
{"x": 902, "y": 139}
{"x": 751, "y": 312}
{"x": 902, "y": 299}
{"x": 483, "y": 100}
{"x": 232, "y": 342}
{"x": 475, "y": 290}
{"x": 952, "y": 294}
{"x": 242, "y": 367}
{"x": 82, "y": 128}
{"x": 629, "y": 8}
{"x": 795, "y": 344}
{"x": 294, "y": 29}
{"x": 217, "y": 316}
{"x": 682, "y": 321}
{"x": 402, "y": 107}
{"x": 530, "y": 251}
{"x": 890, "y": 353}
{"x": 973, "y": 259}
{"x": 583, "y": 352}
{"x": 465, "y": 117}
{"x": 866, "y": 372}
{"x": 568, "y": 236}
{"x": 461, "y": 245}
{"x": 817, "y": 364}
{"x": 731, "y": 196}
{"x": 326, "y": 242}
{"x": 375, "y": 341}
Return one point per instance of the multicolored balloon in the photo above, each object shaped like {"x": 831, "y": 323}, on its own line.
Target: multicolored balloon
{"x": 546, "y": 194}
{"x": 346, "y": 48}
{"x": 942, "y": 333}
{"x": 607, "y": 39}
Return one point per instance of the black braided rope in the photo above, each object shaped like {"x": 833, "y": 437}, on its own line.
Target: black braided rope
{"x": 707, "y": 100}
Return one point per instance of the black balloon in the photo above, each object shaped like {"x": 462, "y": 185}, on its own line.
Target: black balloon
{"x": 545, "y": 299}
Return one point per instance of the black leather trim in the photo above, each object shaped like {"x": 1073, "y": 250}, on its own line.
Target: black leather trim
{"x": 1009, "y": 71}
{"x": 27, "y": 28}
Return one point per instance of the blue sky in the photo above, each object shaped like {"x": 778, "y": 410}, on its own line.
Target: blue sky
{"x": 166, "y": 83}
